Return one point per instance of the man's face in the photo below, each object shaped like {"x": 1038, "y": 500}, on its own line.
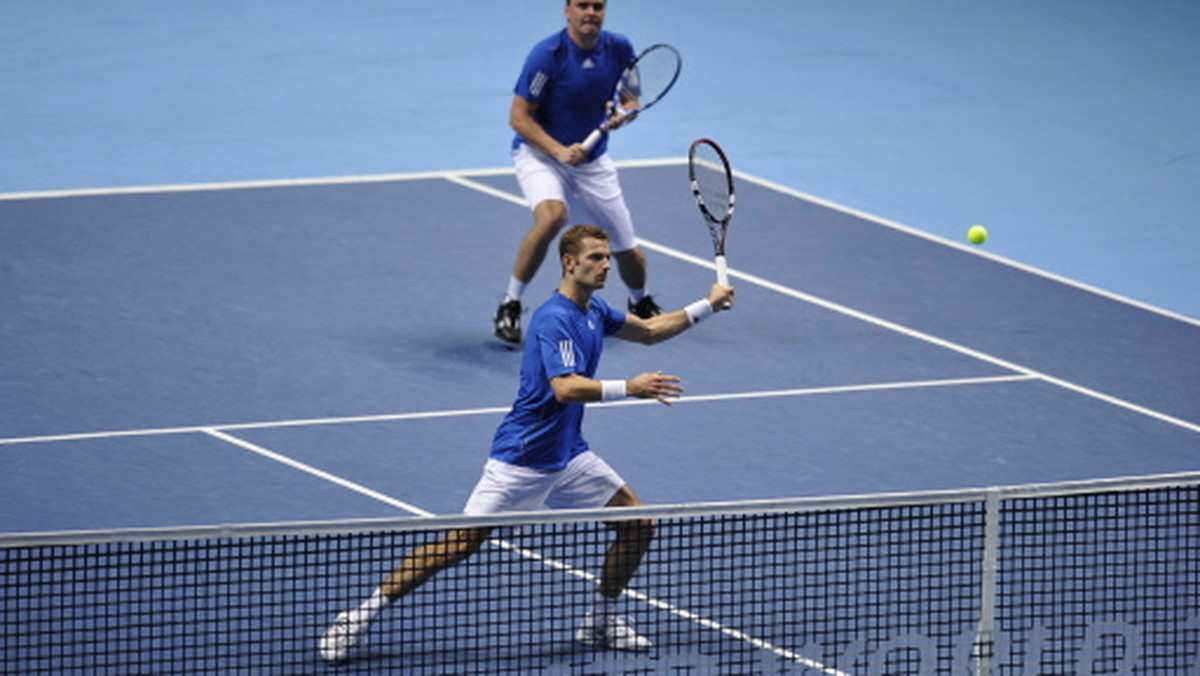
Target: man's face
{"x": 589, "y": 268}
{"x": 585, "y": 18}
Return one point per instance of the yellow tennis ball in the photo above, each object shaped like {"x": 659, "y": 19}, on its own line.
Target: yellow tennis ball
{"x": 977, "y": 234}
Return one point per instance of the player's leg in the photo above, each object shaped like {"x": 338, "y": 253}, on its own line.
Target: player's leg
{"x": 631, "y": 264}
{"x": 542, "y": 184}
{"x": 587, "y": 483}
{"x": 549, "y": 217}
{"x": 599, "y": 190}
{"x": 605, "y": 625}
{"x": 627, "y": 550}
{"x": 429, "y": 560}
{"x": 421, "y": 564}
{"x": 501, "y": 488}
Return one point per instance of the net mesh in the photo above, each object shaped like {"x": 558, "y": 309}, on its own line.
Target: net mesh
{"x": 1088, "y": 583}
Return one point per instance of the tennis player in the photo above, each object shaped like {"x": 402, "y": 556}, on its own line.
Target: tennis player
{"x": 562, "y": 95}
{"x": 539, "y": 457}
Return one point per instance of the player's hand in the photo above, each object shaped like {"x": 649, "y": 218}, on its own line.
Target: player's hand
{"x": 618, "y": 116}
{"x": 720, "y": 297}
{"x": 654, "y": 386}
{"x": 572, "y": 154}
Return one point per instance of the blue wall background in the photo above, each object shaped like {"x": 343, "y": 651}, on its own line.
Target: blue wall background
{"x": 1066, "y": 127}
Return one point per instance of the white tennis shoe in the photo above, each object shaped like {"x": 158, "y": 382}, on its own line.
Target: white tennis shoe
{"x": 340, "y": 637}
{"x": 612, "y": 632}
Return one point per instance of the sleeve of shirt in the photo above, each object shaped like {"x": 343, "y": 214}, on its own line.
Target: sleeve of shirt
{"x": 531, "y": 85}
{"x": 560, "y": 355}
{"x": 613, "y": 318}
{"x": 625, "y": 50}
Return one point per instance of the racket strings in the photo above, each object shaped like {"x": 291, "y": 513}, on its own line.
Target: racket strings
{"x": 712, "y": 182}
{"x": 649, "y": 78}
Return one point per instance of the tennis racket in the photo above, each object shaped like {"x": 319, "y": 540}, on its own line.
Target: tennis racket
{"x": 642, "y": 84}
{"x": 712, "y": 186}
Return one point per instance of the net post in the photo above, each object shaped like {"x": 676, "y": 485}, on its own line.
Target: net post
{"x": 985, "y": 634}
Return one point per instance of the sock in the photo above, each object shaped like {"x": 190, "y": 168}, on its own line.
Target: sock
{"x": 637, "y": 294}
{"x": 370, "y": 608}
{"x": 604, "y": 606}
{"x": 516, "y": 288}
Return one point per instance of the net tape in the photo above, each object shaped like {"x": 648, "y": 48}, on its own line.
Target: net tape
{"x": 1090, "y": 578}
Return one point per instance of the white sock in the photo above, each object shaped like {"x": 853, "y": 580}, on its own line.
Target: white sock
{"x": 637, "y": 294}
{"x": 516, "y": 289}
{"x": 604, "y": 606}
{"x": 370, "y": 608}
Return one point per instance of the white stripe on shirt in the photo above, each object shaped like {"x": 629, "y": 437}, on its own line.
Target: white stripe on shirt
{"x": 567, "y": 349}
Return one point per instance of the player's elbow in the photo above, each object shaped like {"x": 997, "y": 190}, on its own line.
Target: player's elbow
{"x": 646, "y": 337}
{"x": 561, "y": 395}
{"x": 520, "y": 115}
{"x": 566, "y": 389}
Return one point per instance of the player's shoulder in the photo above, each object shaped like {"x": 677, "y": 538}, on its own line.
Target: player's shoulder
{"x": 615, "y": 38}
{"x": 618, "y": 43}
{"x": 553, "y": 311}
{"x": 598, "y": 304}
{"x": 612, "y": 317}
{"x": 550, "y": 45}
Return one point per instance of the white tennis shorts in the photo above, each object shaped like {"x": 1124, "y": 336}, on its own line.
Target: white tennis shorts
{"x": 587, "y": 482}
{"x": 591, "y": 192}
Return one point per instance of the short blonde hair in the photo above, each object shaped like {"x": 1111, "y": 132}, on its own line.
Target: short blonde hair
{"x": 571, "y": 240}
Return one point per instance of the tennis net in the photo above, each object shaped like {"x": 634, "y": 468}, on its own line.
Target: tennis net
{"x": 1083, "y": 578}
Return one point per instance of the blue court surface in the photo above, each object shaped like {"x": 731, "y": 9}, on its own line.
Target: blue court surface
{"x": 322, "y": 350}
{"x": 197, "y": 327}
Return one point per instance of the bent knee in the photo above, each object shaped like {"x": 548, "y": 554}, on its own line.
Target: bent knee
{"x": 550, "y": 214}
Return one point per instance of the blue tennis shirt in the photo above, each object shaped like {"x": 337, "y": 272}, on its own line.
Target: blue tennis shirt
{"x": 572, "y": 85}
{"x": 562, "y": 338}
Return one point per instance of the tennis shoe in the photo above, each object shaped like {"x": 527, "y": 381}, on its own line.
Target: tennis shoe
{"x": 340, "y": 637}
{"x": 508, "y": 322}
{"x": 612, "y": 632}
{"x": 645, "y": 308}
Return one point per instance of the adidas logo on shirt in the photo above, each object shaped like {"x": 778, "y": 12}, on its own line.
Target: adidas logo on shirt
{"x": 587, "y": 63}
{"x": 566, "y": 350}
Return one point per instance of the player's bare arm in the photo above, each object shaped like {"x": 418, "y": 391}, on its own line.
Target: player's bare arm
{"x": 670, "y": 324}
{"x": 520, "y": 118}
{"x": 576, "y": 389}
{"x": 619, "y": 116}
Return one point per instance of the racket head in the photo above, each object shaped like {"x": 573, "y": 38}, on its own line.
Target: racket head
{"x": 712, "y": 185}
{"x": 644, "y": 82}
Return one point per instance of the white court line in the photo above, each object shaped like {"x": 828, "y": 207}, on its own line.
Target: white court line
{"x": 534, "y": 556}
{"x": 883, "y": 323}
{"x": 969, "y": 248}
{"x": 459, "y": 178}
{"x": 319, "y": 473}
{"x": 500, "y": 410}
{"x": 934, "y": 340}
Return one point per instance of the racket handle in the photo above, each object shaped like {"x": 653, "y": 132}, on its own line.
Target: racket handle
{"x": 592, "y": 139}
{"x": 722, "y": 276}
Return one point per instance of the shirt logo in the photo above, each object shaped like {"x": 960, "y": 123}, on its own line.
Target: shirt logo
{"x": 539, "y": 81}
{"x": 587, "y": 63}
{"x": 566, "y": 349}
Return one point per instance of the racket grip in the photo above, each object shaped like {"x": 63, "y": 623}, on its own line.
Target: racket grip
{"x": 722, "y": 275}
{"x": 592, "y": 139}
{"x": 722, "y": 271}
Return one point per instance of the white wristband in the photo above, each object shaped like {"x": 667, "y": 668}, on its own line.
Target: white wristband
{"x": 698, "y": 310}
{"x": 612, "y": 389}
